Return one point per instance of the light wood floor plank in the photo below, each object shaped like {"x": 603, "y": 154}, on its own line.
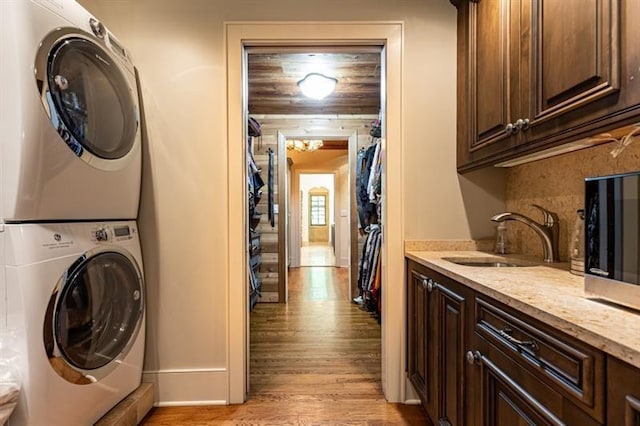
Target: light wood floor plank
{"x": 314, "y": 361}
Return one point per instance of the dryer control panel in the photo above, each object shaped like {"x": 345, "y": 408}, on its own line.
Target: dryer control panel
{"x": 102, "y": 234}
{"x": 106, "y": 233}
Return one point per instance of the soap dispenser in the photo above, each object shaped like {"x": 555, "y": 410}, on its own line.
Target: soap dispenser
{"x": 576, "y": 245}
{"x": 501, "y": 238}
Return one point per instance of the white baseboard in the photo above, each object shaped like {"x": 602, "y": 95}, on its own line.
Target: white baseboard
{"x": 189, "y": 403}
{"x": 184, "y": 387}
{"x": 411, "y": 397}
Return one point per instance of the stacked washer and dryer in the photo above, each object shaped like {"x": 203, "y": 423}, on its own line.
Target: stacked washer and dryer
{"x": 71, "y": 283}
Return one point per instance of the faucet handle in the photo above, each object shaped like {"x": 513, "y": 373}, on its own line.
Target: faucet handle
{"x": 550, "y": 218}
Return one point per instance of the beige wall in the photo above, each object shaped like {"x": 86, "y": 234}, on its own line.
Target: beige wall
{"x": 343, "y": 189}
{"x": 178, "y": 48}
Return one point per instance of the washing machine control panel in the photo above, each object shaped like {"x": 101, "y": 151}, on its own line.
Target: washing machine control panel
{"x": 97, "y": 28}
{"x": 106, "y": 233}
{"x": 102, "y": 234}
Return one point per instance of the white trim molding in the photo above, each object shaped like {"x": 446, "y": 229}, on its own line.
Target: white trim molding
{"x": 183, "y": 387}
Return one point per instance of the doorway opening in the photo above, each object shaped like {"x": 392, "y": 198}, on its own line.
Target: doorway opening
{"x": 241, "y": 36}
{"x": 311, "y": 145}
{"x": 317, "y": 232}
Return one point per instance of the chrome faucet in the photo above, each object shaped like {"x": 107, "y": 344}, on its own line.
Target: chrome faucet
{"x": 548, "y": 231}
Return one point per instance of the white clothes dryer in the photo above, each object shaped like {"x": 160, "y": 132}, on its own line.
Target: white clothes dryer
{"x": 69, "y": 116}
{"x": 76, "y": 307}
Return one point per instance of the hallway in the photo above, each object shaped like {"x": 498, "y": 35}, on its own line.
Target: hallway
{"x": 315, "y": 360}
{"x": 317, "y": 254}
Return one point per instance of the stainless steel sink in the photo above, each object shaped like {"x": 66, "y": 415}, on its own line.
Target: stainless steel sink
{"x": 488, "y": 262}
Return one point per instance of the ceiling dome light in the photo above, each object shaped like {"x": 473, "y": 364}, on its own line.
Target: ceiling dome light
{"x": 317, "y": 86}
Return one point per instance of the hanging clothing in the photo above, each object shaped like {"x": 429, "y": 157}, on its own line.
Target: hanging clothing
{"x": 370, "y": 258}
{"x": 270, "y": 186}
{"x": 371, "y": 184}
{"x": 369, "y": 276}
{"x": 360, "y": 162}
{"x": 366, "y": 209}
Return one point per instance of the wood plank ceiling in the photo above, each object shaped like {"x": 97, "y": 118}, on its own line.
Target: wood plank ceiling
{"x": 273, "y": 77}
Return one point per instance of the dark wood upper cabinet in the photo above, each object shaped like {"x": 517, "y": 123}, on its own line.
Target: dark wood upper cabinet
{"x": 492, "y": 108}
{"x": 577, "y": 54}
{"x": 533, "y": 74}
{"x": 493, "y": 74}
{"x": 576, "y": 61}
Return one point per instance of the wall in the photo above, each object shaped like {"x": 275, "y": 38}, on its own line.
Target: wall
{"x": 557, "y": 184}
{"x": 342, "y": 218}
{"x": 179, "y": 50}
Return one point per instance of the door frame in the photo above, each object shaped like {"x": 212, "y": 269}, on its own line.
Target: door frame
{"x": 238, "y": 36}
{"x": 349, "y": 133}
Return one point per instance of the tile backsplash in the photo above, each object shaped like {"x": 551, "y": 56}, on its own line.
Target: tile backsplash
{"x": 557, "y": 184}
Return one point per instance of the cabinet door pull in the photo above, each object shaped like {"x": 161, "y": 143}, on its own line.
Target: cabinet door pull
{"x": 444, "y": 422}
{"x": 473, "y": 357}
{"x": 428, "y": 284}
{"x": 522, "y": 124}
{"x": 510, "y": 129}
{"x": 523, "y": 344}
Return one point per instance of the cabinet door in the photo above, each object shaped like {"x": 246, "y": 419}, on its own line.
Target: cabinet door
{"x": 565, "y": 70}
{"x": 451, "y": 345}
{"x": 438, "y": 312}
{"x": 493, "y": 77}
{"x": 509, "y": 395}
{"x": 419, "y": 332}
{"x": 505, "y": 403}
{"x": 623, "y": 398}
{"x": 576, "y": 58}
{"x": 489, "y": 39}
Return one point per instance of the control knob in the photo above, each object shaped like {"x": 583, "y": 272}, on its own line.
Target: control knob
{"x": 102, "y": 234}
{"x": 97, "y": 28}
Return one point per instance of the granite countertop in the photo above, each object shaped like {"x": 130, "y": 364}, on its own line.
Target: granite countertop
{"x": 549, "y": 294}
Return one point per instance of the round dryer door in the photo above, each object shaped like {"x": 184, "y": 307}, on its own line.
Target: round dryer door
{"x": 94, "y": 315}
{"x": 87, "y": 97}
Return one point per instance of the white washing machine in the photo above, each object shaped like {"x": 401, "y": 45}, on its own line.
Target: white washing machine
{"x": 75, "y": 301}
{"x": 69, "y": 116}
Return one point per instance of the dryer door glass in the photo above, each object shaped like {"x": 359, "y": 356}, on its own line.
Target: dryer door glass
{"x": 99, "y": 310}
{"x": 91, "y": 102}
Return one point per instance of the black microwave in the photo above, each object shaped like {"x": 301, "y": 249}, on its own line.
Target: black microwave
{"x": 612, "y": 239}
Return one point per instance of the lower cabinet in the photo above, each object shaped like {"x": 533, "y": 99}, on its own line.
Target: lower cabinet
{"x": 475, "y": 361}
{"x": 510, "y": 395}
{"x": 623, "y": 396}
{"x": 504, "y": 398}
{"x": 437, "y": 314}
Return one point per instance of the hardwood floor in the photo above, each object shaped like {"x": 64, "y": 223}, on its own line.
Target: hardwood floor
{"x": 317, "y": 254}
{"x": 314, "y": 361}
